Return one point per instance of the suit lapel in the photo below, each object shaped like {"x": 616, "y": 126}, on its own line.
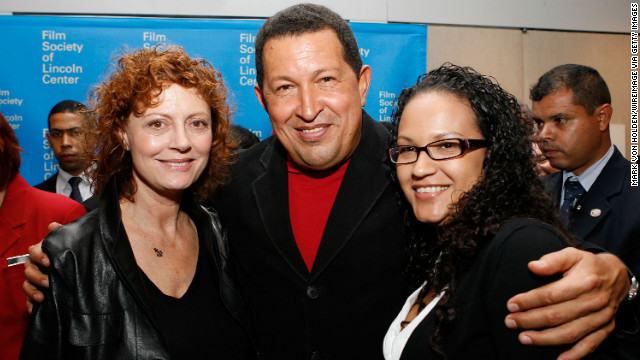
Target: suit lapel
{"x": 118, "y": 249}
{"x": 9, "y": 238}
{"x": 52, "y": 183}
{"x": 49, "y": 184}
{"x": 10, "y": 218}
{"x": 272, "y": 197}
{"x": 553, "y": 186}
{"x": 365, "y": 180}
{"x": 595, "y": 201}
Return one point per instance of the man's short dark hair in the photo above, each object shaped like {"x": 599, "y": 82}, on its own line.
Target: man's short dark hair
{"x": 588, "y": 87}
{"x": 302, "y": 19}
{"x": 68, "y": 106}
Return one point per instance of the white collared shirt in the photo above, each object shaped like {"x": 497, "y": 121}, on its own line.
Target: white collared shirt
{"x": 589, "y": 176}
{"x": 397, "y": 337}
{"x": 63, "y": 187}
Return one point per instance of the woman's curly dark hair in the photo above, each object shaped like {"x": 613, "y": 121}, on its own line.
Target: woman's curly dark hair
{"x": 509, "y": 188}
{"x": 139, "y": 77}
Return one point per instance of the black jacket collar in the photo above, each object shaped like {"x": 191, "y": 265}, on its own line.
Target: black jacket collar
{"x": 368, "y": 172}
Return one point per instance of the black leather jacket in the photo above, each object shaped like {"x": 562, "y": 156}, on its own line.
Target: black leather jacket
{"x": 96, "y": 307}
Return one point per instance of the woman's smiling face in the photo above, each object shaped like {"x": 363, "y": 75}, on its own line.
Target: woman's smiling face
{"x": 170, "y": 143}
{"x": 434, "y": 186}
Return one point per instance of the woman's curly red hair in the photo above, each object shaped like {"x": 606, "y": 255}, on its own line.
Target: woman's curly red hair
{"x": 139, "y": 77}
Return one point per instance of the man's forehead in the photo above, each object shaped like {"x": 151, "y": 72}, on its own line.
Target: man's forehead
{"x": 326, "y": 33}
{"x": 66, "y": 117}
{"x": 65, "y": 121}
{"x": 562, "y": 92}
{"x": 300, "y": 49}
{"x": 301, "y": 34}
{"x": 562, "y": 97}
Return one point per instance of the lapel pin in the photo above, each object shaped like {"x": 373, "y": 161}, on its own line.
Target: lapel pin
{"x": 595, "y": 212}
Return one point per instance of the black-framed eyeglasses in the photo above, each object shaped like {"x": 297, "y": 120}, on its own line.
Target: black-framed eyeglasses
{"x": 437, "y": 150}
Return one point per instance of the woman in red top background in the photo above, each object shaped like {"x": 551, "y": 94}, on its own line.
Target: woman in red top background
{"x": 25, "y": 213}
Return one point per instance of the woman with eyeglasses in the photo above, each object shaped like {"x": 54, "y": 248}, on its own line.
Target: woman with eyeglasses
{"x": 464, "y": 163}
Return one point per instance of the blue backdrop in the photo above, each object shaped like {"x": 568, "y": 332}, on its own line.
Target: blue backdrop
{"x": 52, "y": 58}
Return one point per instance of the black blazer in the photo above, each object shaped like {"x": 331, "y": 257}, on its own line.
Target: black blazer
{"x": 50, "y": 186}
{"x": 608, "y": 213}
{"x": 498, "y": 272}
{"x": 342, "y": 309}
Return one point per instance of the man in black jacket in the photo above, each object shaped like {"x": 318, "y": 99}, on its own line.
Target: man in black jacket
{"x": 312, "y": 216}
{"x": 572, "y": 110}
{"x": 66, "y": 137}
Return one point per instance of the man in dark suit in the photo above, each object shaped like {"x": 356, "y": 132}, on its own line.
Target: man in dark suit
{"x": 572, "y": 110}
{"x": 311, "y": 213}
{"x": 66, "y": 137}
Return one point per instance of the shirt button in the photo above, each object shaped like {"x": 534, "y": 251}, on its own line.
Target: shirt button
{"x": 313, "y": 293}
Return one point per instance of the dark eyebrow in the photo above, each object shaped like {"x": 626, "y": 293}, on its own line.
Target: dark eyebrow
{"x": 69, "y": 129}
{"x": 317, "y": 72}
{"x": 447, "y": 134}
{"x": 440, "y": 136}
{"x": 320, "y": 71}
{"x": 284, "y": 77}
{"x": 169, "y": 116}
{"x": 405, "y": 138}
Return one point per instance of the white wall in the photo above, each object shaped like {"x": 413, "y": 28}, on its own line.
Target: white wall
{"x": 581, "y": 15}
